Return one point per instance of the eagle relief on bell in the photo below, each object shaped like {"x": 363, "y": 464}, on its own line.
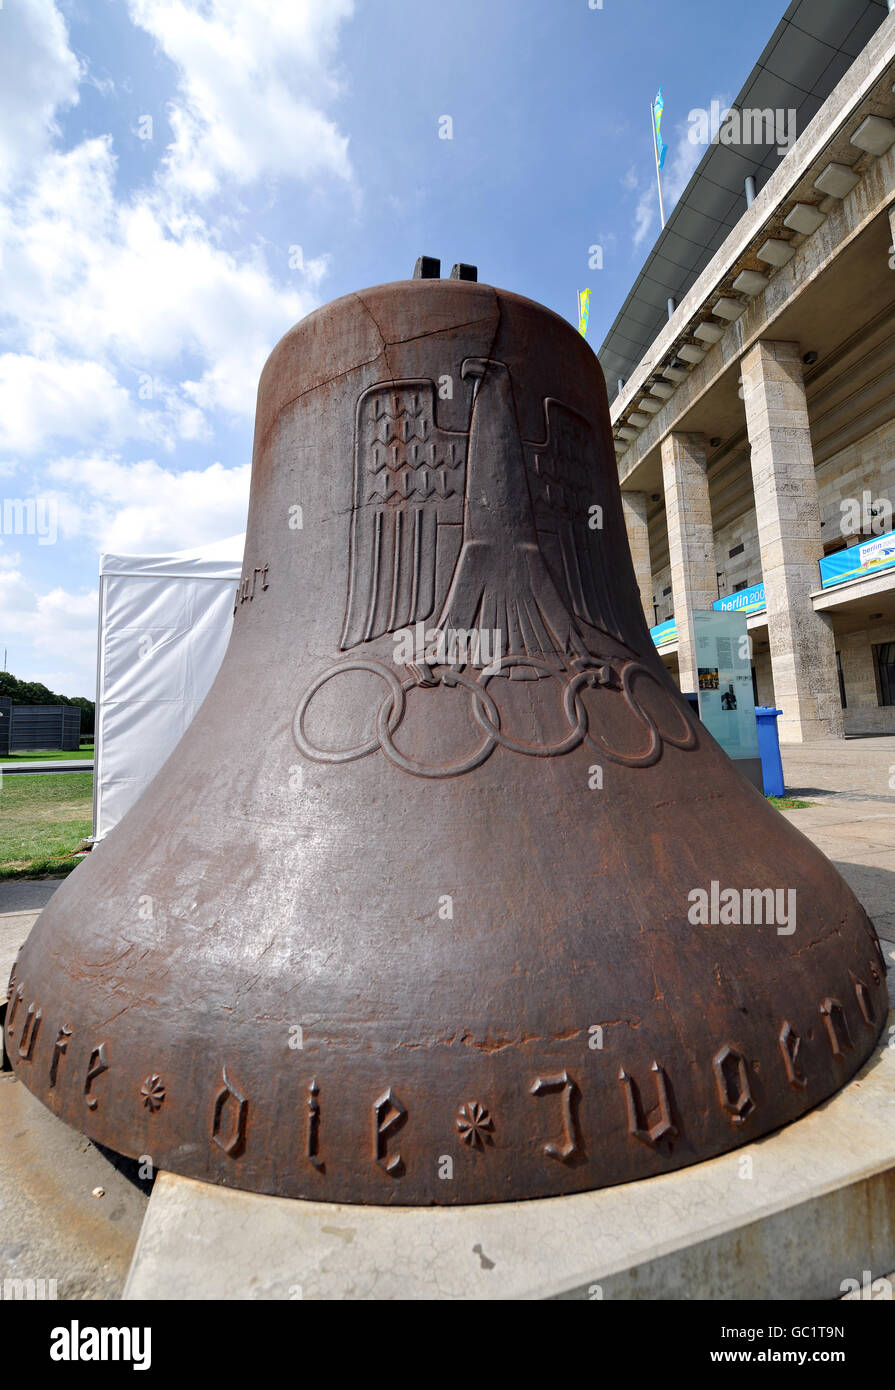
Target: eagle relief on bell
{"x": 406, "y": 917}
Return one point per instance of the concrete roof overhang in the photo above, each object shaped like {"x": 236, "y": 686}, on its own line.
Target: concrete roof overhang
{"x": 853, "y": 602}
{"x": 830, "y": 295}
{"x": 826, "y": 317}
{"x": 808, "y": 54}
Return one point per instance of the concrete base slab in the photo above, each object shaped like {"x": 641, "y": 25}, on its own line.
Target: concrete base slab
{"x": 14, "y": 930}
{"x": 885, "y": 930}
{"x": 21, "y": 903}
{"x": 791, "y": 1216}
{"x": 51, "y": 1224}
{"x": 18, "y": 895}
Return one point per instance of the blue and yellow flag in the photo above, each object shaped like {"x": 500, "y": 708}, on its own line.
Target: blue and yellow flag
{"x": 658, "y": 108}
{"x": 583, "y": 311}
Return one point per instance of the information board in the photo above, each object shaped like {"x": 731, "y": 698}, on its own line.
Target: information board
{"x": 724, "y": 672}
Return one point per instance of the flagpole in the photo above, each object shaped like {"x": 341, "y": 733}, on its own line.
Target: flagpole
{"x": 652, "y": 111}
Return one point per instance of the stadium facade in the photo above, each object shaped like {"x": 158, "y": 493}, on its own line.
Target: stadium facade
{"x": 754, "y": 365}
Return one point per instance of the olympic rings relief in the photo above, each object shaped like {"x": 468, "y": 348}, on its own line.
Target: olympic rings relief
{"x": 486, "y": 715}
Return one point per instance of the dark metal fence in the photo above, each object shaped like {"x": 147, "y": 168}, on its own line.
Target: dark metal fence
{"x": 26, "y": 728}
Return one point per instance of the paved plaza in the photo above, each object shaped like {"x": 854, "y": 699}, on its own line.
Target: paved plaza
{"x": 852, "y": 785}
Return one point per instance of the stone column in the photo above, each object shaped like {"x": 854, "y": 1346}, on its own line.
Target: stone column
{"x": 691, "y": 543}
{"x": 634, "y": 505}
{"x": 803, "y": 657}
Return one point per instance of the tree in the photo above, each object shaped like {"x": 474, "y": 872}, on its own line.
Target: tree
{"x": 88, "y": 713}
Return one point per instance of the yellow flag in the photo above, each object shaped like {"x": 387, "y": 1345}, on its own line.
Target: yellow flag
{"x": 583, "y": 311}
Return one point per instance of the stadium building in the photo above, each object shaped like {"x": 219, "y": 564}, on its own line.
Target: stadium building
{"x": 753, "y": 372}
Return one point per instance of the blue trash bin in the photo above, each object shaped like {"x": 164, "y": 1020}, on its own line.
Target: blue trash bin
{"x": 769, "y": 749}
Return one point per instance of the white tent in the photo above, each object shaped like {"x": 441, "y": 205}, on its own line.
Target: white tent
{"x": 164, "y": 625}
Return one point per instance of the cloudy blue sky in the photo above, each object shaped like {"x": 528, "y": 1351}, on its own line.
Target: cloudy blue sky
{"x": 160, "y": 161}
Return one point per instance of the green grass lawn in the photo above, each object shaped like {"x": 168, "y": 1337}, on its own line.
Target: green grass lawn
{"x": 789, "y": 803}
{"x": 43, "y": 819}
{"x": 44, "y": 756}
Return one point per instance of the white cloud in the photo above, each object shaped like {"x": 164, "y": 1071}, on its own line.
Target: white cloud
{"x": 253, "y": 81}
{"x": 142, "y": 508}
{"x": 122, "y": 508}
{"x": 101, "y": 292}
{"x": 18, "y": 599}
{"x": 682, "y": 165}
{"x": 106, "y": 288}
{"x": 646, "y": 214}
{"x": 38, "y": 74}
{"x": 678, "y": 171}
{"x": 49, "y": 398}
{"x": 51, "y": 627}
{"x": 43, "y": 399}
{"x": 138, "y": 294}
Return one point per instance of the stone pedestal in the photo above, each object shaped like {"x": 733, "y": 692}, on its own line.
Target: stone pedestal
{"x": 795, "y": 1215}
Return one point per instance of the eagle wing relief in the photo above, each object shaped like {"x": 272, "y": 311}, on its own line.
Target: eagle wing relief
{"x": 563, "y": 478}
{"x": 407, "y": 518}
{"x": 444, "y": 526}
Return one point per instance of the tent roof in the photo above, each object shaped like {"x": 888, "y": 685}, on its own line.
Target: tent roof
{"x": 217, "y": 560}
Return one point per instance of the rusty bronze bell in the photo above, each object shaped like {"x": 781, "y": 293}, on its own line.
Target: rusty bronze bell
{"x": 376, "y": 933}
